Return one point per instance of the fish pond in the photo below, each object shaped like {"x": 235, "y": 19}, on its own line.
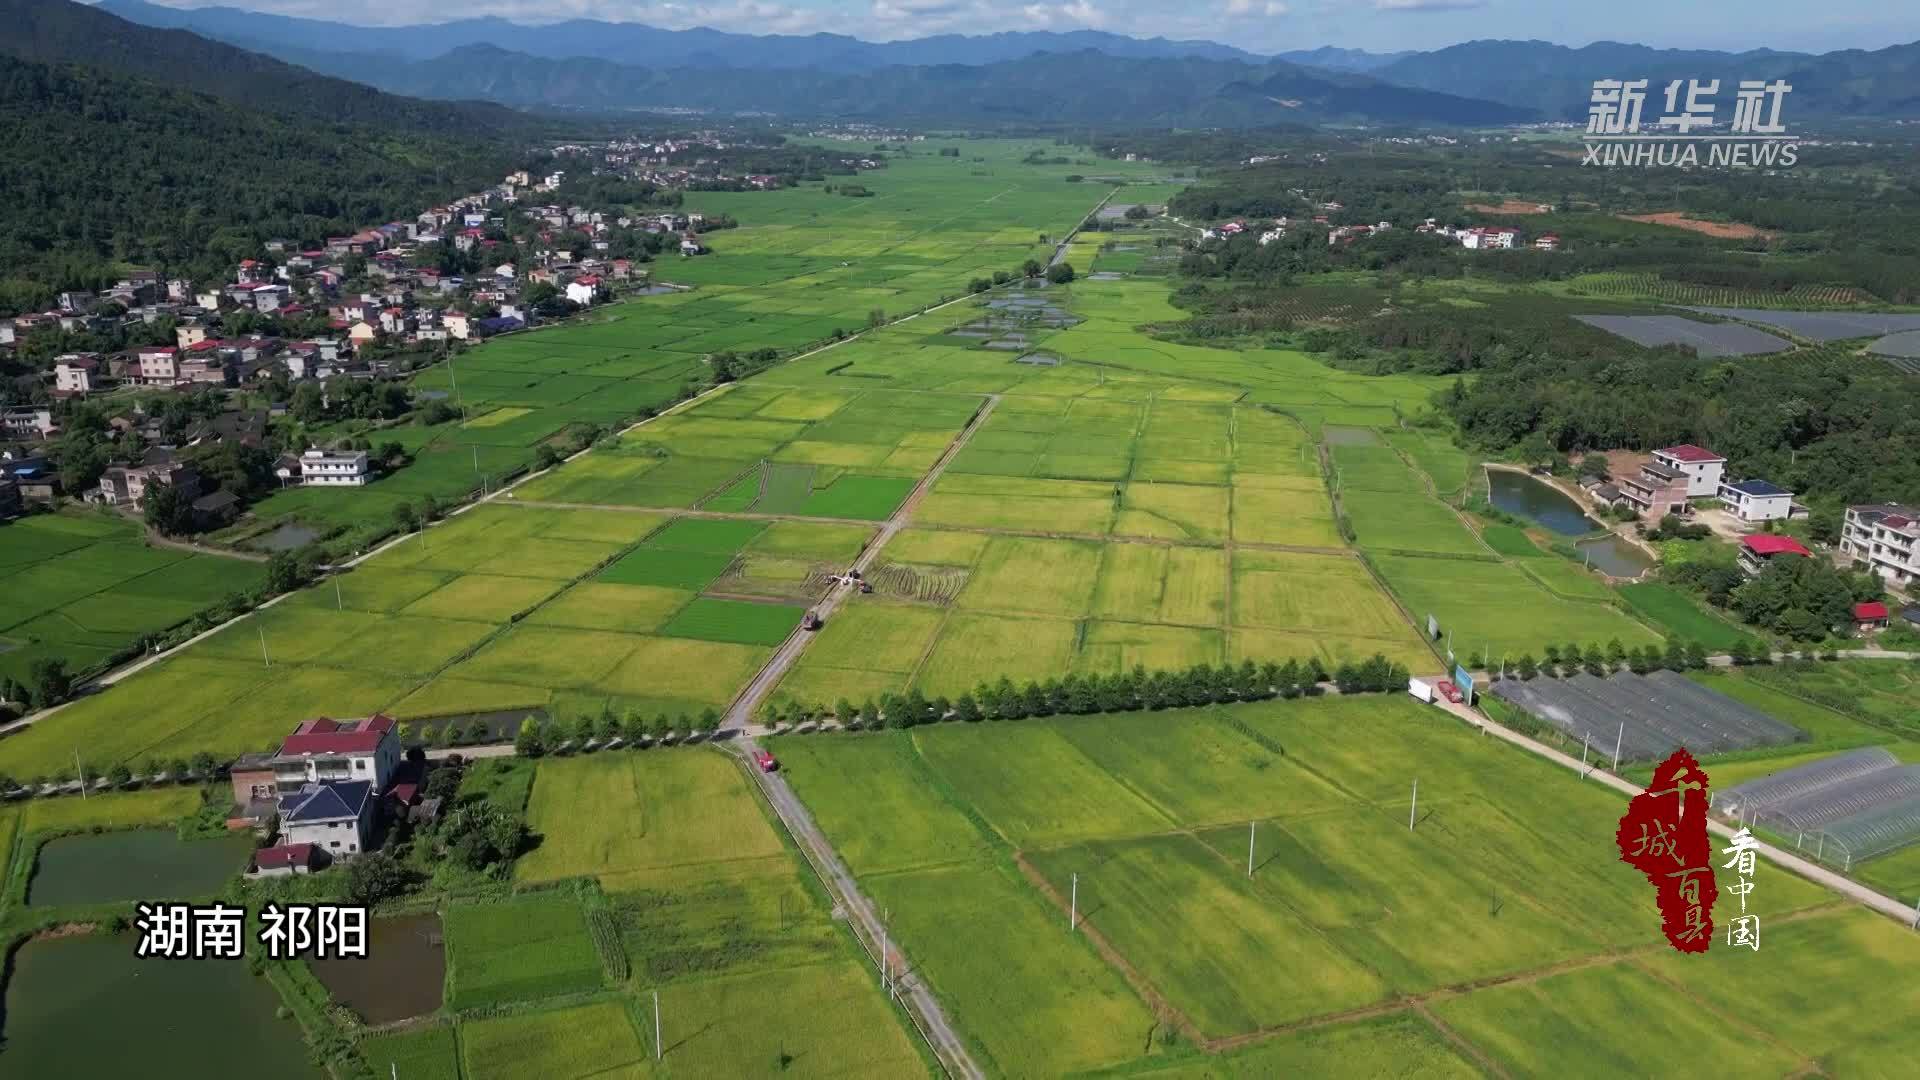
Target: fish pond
{"x": 402, "y": 975}
{"x": 87, "y": 1006}
{"x": 135, "y": 864}
{"x": 1536, "y": 500}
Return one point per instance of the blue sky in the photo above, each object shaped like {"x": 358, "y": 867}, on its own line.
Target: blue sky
{"x": 1258, "y": 25}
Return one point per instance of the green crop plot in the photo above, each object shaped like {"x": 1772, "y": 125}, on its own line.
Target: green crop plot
{"x": 737, "y": 621}
{"x": 517, "y": 951}
{"x": 1496, "y": 607}
{"x": 1681, "y": 617}
{"x": 613, "y": 815}
{"x": 589, "y": 1041}
{"x": 80, "y": 587}
{"x": 668, "y": 568}
{"x": 427, "y": 1053}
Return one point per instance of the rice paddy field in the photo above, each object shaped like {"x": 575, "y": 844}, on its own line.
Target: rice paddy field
{"x": 657, "y": 872}
{"x": 82, "y": 586}
{"x": 1489, "y": 938}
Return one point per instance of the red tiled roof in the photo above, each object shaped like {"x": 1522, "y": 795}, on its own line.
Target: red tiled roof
{"x": 1768, "y": 544}
{"x": 1690, "y": 452}
{"x": 283, "y": 855}
{"x": 1869, "y": 611}
{"x": 324, "y": 736}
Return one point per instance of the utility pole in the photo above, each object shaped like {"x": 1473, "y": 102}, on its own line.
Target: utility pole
{"x": 1250, "y": 848}
{"x": 656, "y": 1025}
{"x": 1916, "y": 917}
{"x": 1073, "y": 908}
{"x": 264, "y": 658}
{"x": 81, "y": 771}
{"x": 1584, "y": 738}
{"x": 338, "y": 605}
{"x": 1414, "y": 807}
{"x": 1617, "y": 740}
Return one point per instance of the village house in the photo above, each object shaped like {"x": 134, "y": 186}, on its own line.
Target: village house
{"x": 325, "y": 750}
{"x": 1486, "y": 238}
{"x": 187, "y": 335}
{"x": 325, "y": 468}
{"x": 1759, "y": 550}
{"x": 11, "y": 502}
{"x": 1757, "y": 500}
{"x": 1674, "y": 475}
{"x": 583, "y": 290}
{"x": 126, "y": 485}
{"x": 286, "y": 860}
{"x": 1884, "y": 538}
{"x": 335, "y": 817}
{"x": 73, "y": 374}
{"x": 455, "y": 325}
{"x": 158, "y": 365}
{"x": 29, "y": 423}
{"x": 1871, "y": 615}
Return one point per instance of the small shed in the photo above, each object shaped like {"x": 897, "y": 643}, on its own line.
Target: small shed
{"x": 1871, "y": 615}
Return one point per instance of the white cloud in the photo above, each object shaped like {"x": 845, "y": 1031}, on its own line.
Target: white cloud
{"x": 1427, "y": 5}
{"x": 1240, "y": 9}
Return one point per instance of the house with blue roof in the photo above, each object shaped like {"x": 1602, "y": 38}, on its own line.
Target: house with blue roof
{"x": 334, "y": 816}
{"x": 1757, "y": 500}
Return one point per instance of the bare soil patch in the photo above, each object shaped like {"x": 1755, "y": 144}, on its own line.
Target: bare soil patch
{"x": 1724, "y": 230}
{"x": 1512, "y": 206}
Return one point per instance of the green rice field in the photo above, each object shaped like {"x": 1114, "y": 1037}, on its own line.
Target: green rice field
{"x": 1144, "y": 821}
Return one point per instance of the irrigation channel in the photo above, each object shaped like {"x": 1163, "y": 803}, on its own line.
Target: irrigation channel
{"x": 1524, "y": 496}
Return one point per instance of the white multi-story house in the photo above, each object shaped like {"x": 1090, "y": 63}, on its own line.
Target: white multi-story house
{"x": 1885, "y": 539}
{"x": 159, "y": 365}
{"x": 334, "y": 817}
{"x": 1757, "y": 500}
{"x": 73, "y": 374}
{"x": 1702, "y": 468}
{"x": 325, "y": 751}
{"x": 326, "y": 468}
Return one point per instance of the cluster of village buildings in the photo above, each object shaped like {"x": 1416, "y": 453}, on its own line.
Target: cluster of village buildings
{"x": 407, "y": 304}
{"x": 1883, "y": 539}
{"x": 1473, "y": 238}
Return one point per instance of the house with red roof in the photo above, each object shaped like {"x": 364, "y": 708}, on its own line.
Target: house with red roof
{"x": 286, "y": 860}
{"x": 338, "y": 750}
{"x": 1758, "y": 550}
{"x": 1872, "y": 615}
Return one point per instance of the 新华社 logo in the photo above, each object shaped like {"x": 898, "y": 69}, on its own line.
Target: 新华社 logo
{"x": 1688, "y": 130}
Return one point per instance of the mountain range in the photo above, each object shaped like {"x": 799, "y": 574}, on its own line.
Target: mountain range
{"x": 595, "y": 64}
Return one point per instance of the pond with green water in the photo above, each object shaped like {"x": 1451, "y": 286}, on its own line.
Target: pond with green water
{"x": 137, "y": 864}
{"x": 87, "y": 1006}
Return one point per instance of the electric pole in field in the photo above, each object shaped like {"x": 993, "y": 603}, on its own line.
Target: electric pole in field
{"x": 264, "y": 657}
{"x": 1073, "y": 905}
{"x": 1414, "y": 807}
{"x": 1617, "y": 740}
{"x": 1250, "y": 848}
{"x": 1584, "y": 739}
{"x": 80, "y": 770}
{"x": 656, "y": 1025}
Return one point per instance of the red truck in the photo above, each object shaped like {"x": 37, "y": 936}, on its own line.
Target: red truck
{"x": 765, "y": 761}
{"x": 1449, "y": 691}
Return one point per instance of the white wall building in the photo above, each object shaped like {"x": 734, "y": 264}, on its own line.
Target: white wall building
{"x": 1885, "y": 539}
{"x": 1757, "y": 500}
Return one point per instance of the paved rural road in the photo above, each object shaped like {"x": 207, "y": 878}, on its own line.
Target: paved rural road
{"x": 921, "y": 1005}
{"x": 740, "y": 714}
{"x": 1886, "y": 905}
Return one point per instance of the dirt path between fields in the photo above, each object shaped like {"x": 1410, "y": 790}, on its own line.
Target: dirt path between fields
{"x": 912, "y": 992}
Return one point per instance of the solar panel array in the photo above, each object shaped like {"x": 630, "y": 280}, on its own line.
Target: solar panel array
{"x": 1844, "y": 808}
{"x": 1822, "y": 326}
{"x": 1647, "y": 716}
{"x": 1707, "y": 339}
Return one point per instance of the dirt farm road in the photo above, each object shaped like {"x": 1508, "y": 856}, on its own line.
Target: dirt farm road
{"x": 740, "y": 713}
{"x": 869, "y": 929}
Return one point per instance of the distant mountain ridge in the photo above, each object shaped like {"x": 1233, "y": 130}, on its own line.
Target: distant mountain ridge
{"x": 643, "y": 45}
{"x": 1558, "y": 80}
{"x": 58, "y": 31}
{"x": 1086, "y": 87}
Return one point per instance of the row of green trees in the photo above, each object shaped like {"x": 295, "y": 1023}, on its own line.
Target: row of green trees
{"x": 1059, "y": 274}
{"x": 1126, "y": 691}
{"x": 199, "y": 768}
{"x": 539, "y": 736}
{"x": 1595, "y": 659}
